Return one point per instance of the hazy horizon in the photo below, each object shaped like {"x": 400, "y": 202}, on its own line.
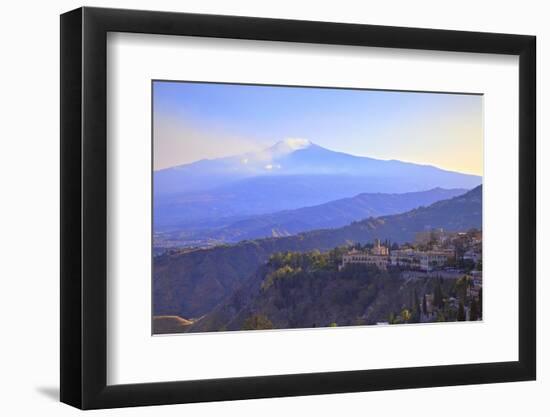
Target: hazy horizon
{"x": 195, "y": 121}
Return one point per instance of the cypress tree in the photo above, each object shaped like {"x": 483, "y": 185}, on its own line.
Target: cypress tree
{"x": 473, "y": 310}
{"x": 438, "y": 295}
{"x": 424, "y": 305}
{"x": 461, "y": 316}
{"x": 415, "y": 317}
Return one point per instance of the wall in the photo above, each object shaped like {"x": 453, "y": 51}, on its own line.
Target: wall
{"x": 29, "y": 210}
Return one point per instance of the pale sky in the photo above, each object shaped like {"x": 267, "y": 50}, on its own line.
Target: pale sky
{"x": 194, "y": 121}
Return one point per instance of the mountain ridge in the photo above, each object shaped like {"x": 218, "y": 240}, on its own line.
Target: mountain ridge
{"x": 333, "y": 214}
{"x": 284, "y": 177}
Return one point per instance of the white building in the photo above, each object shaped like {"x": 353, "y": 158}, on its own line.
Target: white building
{"x": 404, "y": 257}
{"x": 378, "y": 256}
{"x": 422, "y": 260}
{"x": 432, "y": 260}
{"x": 378, "y": 249}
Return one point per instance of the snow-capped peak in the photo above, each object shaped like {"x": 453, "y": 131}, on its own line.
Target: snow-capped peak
{"x": 296, "y": 143}
{"x": 290, "y": 145}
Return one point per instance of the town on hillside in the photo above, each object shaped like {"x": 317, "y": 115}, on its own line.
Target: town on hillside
{"x": 435, "y": 253}
{"x": 434, "y": 250}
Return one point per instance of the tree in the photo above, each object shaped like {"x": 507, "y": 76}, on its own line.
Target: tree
{"x": 416, "y": 309}
{"x": 434, "y": 238}
{"x": 479, "y": 265}
{"x": 461, "y": 315}
{"x": 406, "y": 315}
{"x": 462, "y": 285}
{"x": 460, "y": 249}
{"x": 474, "y": 310}
{"x": 257, "y": 322}
{"x": 438, "y": 295}
{"x": 282, "y": 272}
{"x": 424, "y": 305}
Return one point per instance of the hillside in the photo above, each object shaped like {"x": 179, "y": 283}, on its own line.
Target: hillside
{"x": 308, "y": 290}
{"x": 170, "y": 324}
{"x": 191, "y": 283}
{"x": 289, "y": 222}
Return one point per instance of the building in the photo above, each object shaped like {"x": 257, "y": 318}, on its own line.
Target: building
{"x": 378, "y": 249}
{"x": 477, "y": 278}
{"x": 477, "y": 282}
{"x": 433, "y": 260}
{"x": 473, "y": 256}
{"x": 405, "y": 257}
{"x": 421, "y": 260}
{"x": 358, "y": 257}
{"x": 408, "y": 258}
{"x": 378, "y": 255}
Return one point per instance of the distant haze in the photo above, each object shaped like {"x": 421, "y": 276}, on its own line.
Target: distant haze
{"x": 194, "y": 121}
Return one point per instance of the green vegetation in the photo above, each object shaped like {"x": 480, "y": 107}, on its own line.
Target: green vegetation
{"x": 257, "y": 322}
{"x": 302, "y": 290}
{"x": 474, "y": 310}
{"x": 285, "y": 272}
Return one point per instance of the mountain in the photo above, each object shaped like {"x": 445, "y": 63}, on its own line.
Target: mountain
{"x": 291, "y": 174}
{"x": 208, "y": 173}
{"x": 289, "y": 222}
{"x": 190, "y": 283}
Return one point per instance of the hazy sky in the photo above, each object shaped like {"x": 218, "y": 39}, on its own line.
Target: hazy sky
{"x": 193, "y": 121}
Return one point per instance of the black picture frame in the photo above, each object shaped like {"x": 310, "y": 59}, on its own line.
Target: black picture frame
{"x": 84, "y": 207}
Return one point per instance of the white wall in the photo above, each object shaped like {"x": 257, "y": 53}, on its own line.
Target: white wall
{"x": 29, "y": 224}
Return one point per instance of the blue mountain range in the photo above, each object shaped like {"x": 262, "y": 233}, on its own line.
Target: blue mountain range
{"x": 289, "y": 175}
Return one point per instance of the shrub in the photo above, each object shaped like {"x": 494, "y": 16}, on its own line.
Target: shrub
{"x": 257, "y": 322}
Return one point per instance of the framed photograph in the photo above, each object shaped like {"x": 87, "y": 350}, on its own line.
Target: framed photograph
{"x": 257, "y": 208}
